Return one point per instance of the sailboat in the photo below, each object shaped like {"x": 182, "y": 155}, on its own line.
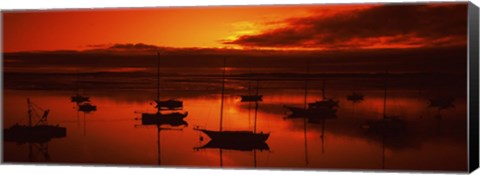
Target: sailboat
{"x": 251, "y": 138}
{"x": 355, "y": 97}
{"x": 326, "y": 108}
{"x": 77, "y": 98}
{"x": 170, "y": 104}
{"x": 442, "y": 103}
{"x": 388, "y": 124}
{"x": 328, "y": 105}
{"x": 39, "y": 133}
{"x": 235, "y": 145}
{"x": 318, "y": 110}
{"x": 250, "y": 97}
{"x": 87, "y": 107}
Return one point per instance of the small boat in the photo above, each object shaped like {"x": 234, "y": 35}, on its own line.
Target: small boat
{"x": 316, "y": 111}
{"x": 442, "y": 103}
{"x": 251, "y": 98}
{"x": 234, "y": 137}
{"x": 87, "y": 107}
{"x": 328, "y": 104}
{"x": 355, "y": 97}
{"x": 170, "y": 104}
{"x": 388, "y": 124}
{"x": 298, "y": 112}
{"x": 41, "y": 132}
{"x": 232, "y": 144}
{"x": 77, "y": 98}
{"x": 38, "y": 134}
{"x": 325, "y": 103}
{"x": 174, "y": 118}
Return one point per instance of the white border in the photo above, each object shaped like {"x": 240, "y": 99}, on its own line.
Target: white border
{"x": 82, "y": 170}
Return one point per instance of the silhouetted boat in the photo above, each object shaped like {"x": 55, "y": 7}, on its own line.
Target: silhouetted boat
{"x": 355, "y": 97}
{"x": 77, "y": 98}
{"x": 239, "y": 137}
{"x": 39, "y": 133}
{"x": 170, "y": 104}
{"x": 87, "y": 107}
{"x": 174, "y": 118}
{"x": 233, "y": 144}
{"x": 312, "y": 114}
{"x": 236, "y": 136}
{"x": 251, "y": 98}
{"x": 388, "y": 124}
{"x": 316, "y": 111}
{"x": 442, "y": 103}
{"x": 326, "y": 104}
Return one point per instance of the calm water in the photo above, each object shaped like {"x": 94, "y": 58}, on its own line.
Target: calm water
{"x": 111, "y": 135}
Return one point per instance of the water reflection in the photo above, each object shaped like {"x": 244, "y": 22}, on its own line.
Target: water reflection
{"x": 242, "y": 140}
{"x": 172, "y": 105}
{"x": 36, "y": 135}
{"x": 164, "y": 124}
{"x": 328, "y": 142}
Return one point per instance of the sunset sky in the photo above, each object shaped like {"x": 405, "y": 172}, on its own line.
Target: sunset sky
{"x": 318, "y": 27}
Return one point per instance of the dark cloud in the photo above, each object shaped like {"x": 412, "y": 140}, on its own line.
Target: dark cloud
{"x": 140, "y": 46}
{"x": 387, "y": 25}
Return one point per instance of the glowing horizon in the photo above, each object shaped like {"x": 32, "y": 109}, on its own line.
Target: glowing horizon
{"x": 287, "y": 27}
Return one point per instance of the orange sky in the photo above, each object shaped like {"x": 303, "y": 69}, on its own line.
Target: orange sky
{"x": 175, "y": 27}
{"x": 302, "y": 26}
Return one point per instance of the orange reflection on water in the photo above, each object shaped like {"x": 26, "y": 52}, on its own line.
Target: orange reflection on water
{"x": 111, "y": 135}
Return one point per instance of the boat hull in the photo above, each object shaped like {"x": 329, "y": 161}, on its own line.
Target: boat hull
{"x": 174, "y": 119}
{"x": 311, "y": 114}
{"x": 87, "y": 107}
{"x": 355, "y": 98}
{"x": 251, "y": 98}
{"x": 245, "y": 146}
{"x": 169, "y": 104}
{"x": 236, "y": 137}
{"x": 33, "y": 134}
{"x": 79, "y": 99}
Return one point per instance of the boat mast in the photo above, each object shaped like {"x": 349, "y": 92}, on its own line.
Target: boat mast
{"x": 29, "y": 108}
{"x": 256, "y": 110}
{"x": 306, "y": 84}
{"x": 158, "y": 145}
{"x": 158, "y": 77}
{"x": 223, "y": 94}
{"x": 249, "y": 94}
{"x": 305, "y": 108}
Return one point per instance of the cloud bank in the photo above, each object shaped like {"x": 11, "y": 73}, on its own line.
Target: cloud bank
{"x": 386, "y": 26}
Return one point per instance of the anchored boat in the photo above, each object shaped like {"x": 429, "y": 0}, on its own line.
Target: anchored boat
{"x": 171, "y": 104}
{"x": 40, "y": 132}
{"x": 247, "y": 138}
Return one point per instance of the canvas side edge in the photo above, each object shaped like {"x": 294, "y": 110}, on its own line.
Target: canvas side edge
{"x": 473, "y": 96}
